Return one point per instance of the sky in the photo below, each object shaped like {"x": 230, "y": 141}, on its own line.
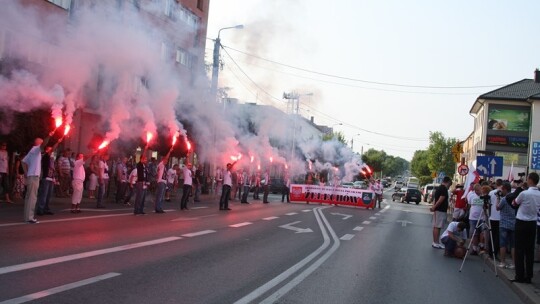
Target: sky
{"x": 384, "y": 73}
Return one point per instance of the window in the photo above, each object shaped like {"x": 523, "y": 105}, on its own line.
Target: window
{"x": 168, "y": 7}
{"x": 182, "y": 13}
{"x": 65, "y": 4}
{"x": 181, "y": 56}
{"x": 3, "y": 37}
{"x": 200, "y": 4}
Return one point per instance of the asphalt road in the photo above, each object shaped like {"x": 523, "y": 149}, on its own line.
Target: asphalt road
{"x": 284, "y": 253}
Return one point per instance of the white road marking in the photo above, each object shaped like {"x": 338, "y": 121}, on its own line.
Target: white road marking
{"x": 270, "y": 218}
{"x": 347, "y": 237}
{"x": 358, "y": 228}
{"x": 240, "y": 225}
{"x": 345, "y": 216}
{"x": 387, "y": 207}
{"x": 100, "y": 210}
{"x": 296, "y": 229}
{"x": 372, "y": 218}
{"x": 69, "y": 219}
{"x": 198, "y": 233}
{"x": 83, "y": 255}
{"x": 307, "y": 210}
{"x": 48, "y": 292}
{"x": 291, "y": 213}
{"x": 404, "y": 223}
{"x": 366, "y": 222}
{"x": 289, "y": 272}
{"x": 192, "y": 218}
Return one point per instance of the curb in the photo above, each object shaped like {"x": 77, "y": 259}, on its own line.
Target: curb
{"x": 528, "y": 293}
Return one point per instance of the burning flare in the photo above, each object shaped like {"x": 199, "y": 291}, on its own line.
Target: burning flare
{"x": 252, "y": 158}
{"x": 58, "y": 121}
{"x": 188, "y": 144}
{"x": 175, "y": 138}
{"x": 149, "y": 136}
{"x": 271, "y": 159}
{"x": 66, "y": 130}
{"x": 103, "y": 144}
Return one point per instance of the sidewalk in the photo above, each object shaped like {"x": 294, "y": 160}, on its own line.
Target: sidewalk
{"x": 529, "y": 293}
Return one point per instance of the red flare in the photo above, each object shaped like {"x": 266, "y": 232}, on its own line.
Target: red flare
{"x": 258, "y": 167}
{"x": 58, "y": 121}
{"x": 103, "y": 144}
{"x": 252, "y": 158}
{"x": 174, "y": 139}
{"x": 66, "y": 130}
{"x": 286, "y": 167}
{"x": 271, "y": 159}
{"x": 149, "y": 136}
{"x": 188, "y": 144}
{"x": 234, "y": 158}
{"x": 239, "y": 156}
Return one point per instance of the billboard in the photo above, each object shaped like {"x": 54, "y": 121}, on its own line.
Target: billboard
{"x": 508, "y": 118}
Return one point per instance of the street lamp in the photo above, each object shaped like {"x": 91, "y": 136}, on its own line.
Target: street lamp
{"x": 215, "y": 64}
{"x": 294, "y": 97}
{"x": 352, "y": 141}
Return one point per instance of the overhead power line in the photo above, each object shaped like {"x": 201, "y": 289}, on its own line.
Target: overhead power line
{"x": 361, "y": 80}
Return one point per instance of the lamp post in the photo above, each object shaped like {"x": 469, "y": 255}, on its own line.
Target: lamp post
{"x": 352, "y": 141}
{"x": 294, "y": 97}
{"x": 215, "y": 63}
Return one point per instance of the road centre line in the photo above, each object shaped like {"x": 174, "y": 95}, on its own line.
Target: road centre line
{"x": 83, "y": 255}
{"x": 366, "y": 222}
{"x": 372, "y": 218}
{"x": 198, "y": 233}
{"x": 51, "y": 291}
{"x": 270, "y": 218}
{"x": 289, "y": 272}
{"x": 308, "y": 271}
{"x": 291, "y": 213}
{"x": 358, "y": 228}
{"x": 307, "y": 210}
{"x": 240, "y": 224}
{"x": 347, "y": 237}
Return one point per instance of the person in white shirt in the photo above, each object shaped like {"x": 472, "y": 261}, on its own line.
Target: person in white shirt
{"x": 161, "y": 184}
{"x": 453, "y": 238}
{"x": 103, "y": 180}
{"x": 226, "y": 190}
{"x": 495, "y": 216}
{"x": 77, "y": 183}
{"x": 528, "y": 203}
{"x": 475, "y": 212}
{"x": 32, "y": 170}
{"x": 172, "y": 179}
{"x": 188, "y": 184}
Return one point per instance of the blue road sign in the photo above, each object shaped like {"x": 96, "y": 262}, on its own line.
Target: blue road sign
{"x": 535, "y": 155}
{"x": 489, "y": 165}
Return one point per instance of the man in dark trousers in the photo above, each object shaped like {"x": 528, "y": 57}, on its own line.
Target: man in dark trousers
{"x": 140, "y": 186}
{"x": 226, "y": 190}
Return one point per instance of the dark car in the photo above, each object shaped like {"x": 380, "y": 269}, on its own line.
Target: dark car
{"x": 276, "y": 185}
{"x": 412, "y": 195}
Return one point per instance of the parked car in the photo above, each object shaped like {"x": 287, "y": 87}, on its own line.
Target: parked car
{"x": 398, "y": 194}
{"x": 360, "y": 185}
{"x": 427, "y": 191}
{"x": 385, "y": 184}
{"x": 276, "y": 185}
{"x": 398, "y": 185}
{"x": 412, "y": 195}
{"x": 347, "y": 185}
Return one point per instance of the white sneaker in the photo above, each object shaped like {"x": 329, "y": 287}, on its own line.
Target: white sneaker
{"x": 511, "y": 266}
{"x": 501, "y": 265}
{"x": 441, "y": 246}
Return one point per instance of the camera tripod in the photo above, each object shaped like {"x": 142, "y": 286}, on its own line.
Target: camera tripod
{"x": 482, "y": 223}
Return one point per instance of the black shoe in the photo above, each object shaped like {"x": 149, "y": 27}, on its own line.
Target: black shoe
{"x": 40, "y": 213}
{"x": 49, "y": 213}
{"x": 265, "y": 202}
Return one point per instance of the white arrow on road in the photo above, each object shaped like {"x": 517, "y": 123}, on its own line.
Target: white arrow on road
{"x": 481, "y": 169}
{"x": 404, "y": 223}
{"x": 493, "y": 163}
{"x": 298, "y": 230}
{"x": 345, "y": 216}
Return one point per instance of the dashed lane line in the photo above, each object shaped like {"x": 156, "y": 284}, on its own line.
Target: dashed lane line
{"x": 307, "y": 210}
{"x": 347, "y": 237}
{"x": 83, "y": 255}
{"x": 198, "y": 233}
{"x": 270, "y": 218}
{"x": 51, "y": 291}
{"x": 366, "y": 222}
{"x": 358, "y": 228}
{"x": 240, "y": 225}
{"x": 291, "y": 213}
{"x": 372, "y": 218}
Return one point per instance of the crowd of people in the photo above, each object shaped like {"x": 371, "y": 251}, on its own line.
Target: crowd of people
{"x": 499, "y": 218}
{"x": 45, "y": 172}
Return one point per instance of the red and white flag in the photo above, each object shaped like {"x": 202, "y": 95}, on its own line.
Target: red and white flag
{"x": 511, "y": 173}
{"x": 472, "y": 177}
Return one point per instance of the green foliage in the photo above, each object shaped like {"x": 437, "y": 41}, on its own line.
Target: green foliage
{"x": 339, "y": 136}
{"x": 380, "y": 161}
{"x": 425, "y": 180}
{"x": 440, "y": 153}
{"x": 419, "y": 163}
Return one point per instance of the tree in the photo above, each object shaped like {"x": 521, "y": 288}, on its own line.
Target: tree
{"x": 440, "y": 154}
{"x": 393, "y": 166}
{"x": 419, "y": 163}
{"x": 339, "y": 136}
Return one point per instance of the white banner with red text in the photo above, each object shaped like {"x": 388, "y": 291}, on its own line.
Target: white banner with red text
{"x": 332, "y": 195}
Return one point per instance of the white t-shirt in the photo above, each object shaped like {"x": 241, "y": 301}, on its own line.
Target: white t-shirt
{"x": 133, "y": 176}
{"x": 3, "y": 161}
{"x": 78, "y": 170}
{"x": 103, "y": 166}
{"x": 495, "y": 214}
{"x": 529, "y": 204}
{"x": 171, "y": 176}
{"x": 188, "y": 180}
{"x": 161, "y": 175}
{"x": 476, "y": 205}
{"x": 227, "y": 179}
{"x": 453, "y": 227}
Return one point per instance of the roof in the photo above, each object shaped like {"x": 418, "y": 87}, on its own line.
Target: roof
{"x": 521, "y": 91}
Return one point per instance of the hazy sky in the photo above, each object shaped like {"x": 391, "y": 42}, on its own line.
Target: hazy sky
{"x": 442, "y": 47}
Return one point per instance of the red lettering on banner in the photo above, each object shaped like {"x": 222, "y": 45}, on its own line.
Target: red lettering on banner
{"x": 332, "y": 195}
